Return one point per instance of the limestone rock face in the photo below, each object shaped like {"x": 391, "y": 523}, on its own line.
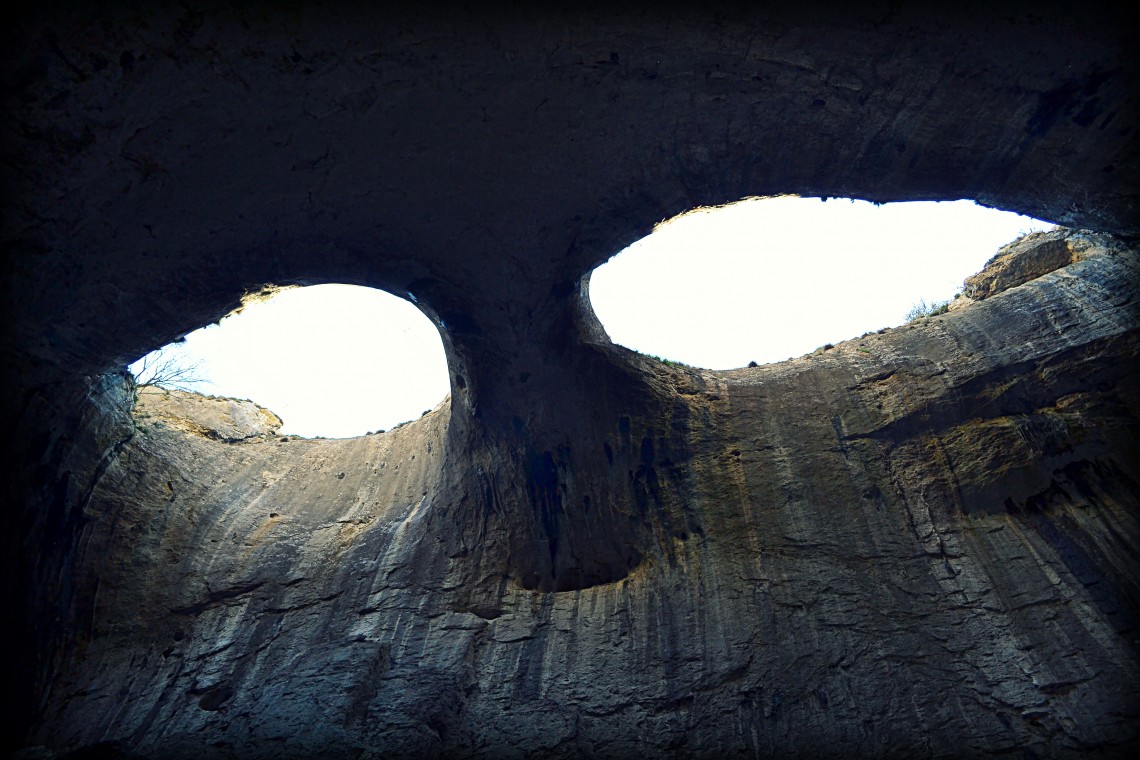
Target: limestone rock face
{"x": 1030, "y": 257}
{"x": 224, "y": 419}
{"x": 916, "y": 544}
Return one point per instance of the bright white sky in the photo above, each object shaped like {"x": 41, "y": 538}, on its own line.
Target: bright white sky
{"x": 760, "y": 280}
{"x": 329, "y": 360}
{"x": 768, "y": 279}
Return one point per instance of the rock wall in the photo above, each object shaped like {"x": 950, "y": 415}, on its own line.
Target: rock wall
{"x": 917, "y": 543}
{"x": 913, "y": 544}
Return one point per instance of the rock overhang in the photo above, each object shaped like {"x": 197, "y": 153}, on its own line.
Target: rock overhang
{"x": 493, "y": 160}
{"x": 168, "y": 162}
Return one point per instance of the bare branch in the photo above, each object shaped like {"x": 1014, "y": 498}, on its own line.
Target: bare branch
{"x": 168, "y": 368}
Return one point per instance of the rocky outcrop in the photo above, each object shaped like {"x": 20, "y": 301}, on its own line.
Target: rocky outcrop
{"x": 914, "y": 544}
{"x": 918, "y": 543}
{"x": 224, "y": 419}
{"x": 1031, "y": 256}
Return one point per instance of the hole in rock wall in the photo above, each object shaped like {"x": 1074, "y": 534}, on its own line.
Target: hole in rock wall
{"x": 767, "y": 279}
{"x": 330, "y": 360}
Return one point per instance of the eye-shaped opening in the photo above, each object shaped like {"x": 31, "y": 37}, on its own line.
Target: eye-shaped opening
{"x": 331, "y": 361}
{"x": 767, "y": 279}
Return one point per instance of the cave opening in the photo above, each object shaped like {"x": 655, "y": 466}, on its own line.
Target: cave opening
{"x": 767, "y": 279}
{"x": 926, "y": 545}
{"x": 331, "y": 360}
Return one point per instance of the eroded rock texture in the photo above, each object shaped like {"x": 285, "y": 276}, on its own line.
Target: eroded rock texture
{"x": 920, "y": 543}
{"x": 916, "y": 543}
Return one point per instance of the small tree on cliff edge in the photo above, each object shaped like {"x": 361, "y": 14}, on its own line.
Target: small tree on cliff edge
{"x": 924, "y": 309}
{"x": 168, "y": 368}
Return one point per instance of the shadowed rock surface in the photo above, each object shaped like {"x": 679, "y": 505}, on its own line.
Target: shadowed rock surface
{"x": 920, "y": 543}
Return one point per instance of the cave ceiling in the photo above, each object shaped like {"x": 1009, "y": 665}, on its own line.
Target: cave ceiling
{"x": 939, "y": 517}
{"x": 162, "y": 161}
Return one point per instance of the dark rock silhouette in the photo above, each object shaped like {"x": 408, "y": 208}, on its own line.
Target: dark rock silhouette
{"x": 918, "y": 543}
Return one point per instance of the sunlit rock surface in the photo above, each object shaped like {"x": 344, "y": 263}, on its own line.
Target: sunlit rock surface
{"x": 1029, "y": 257}
{"x": 225, "y": 419}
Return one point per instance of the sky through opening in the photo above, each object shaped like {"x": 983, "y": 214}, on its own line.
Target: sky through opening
{"x": 760, "y": 280}
{"x": 770, "y": 279}
{"x": 329, "y": 360}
